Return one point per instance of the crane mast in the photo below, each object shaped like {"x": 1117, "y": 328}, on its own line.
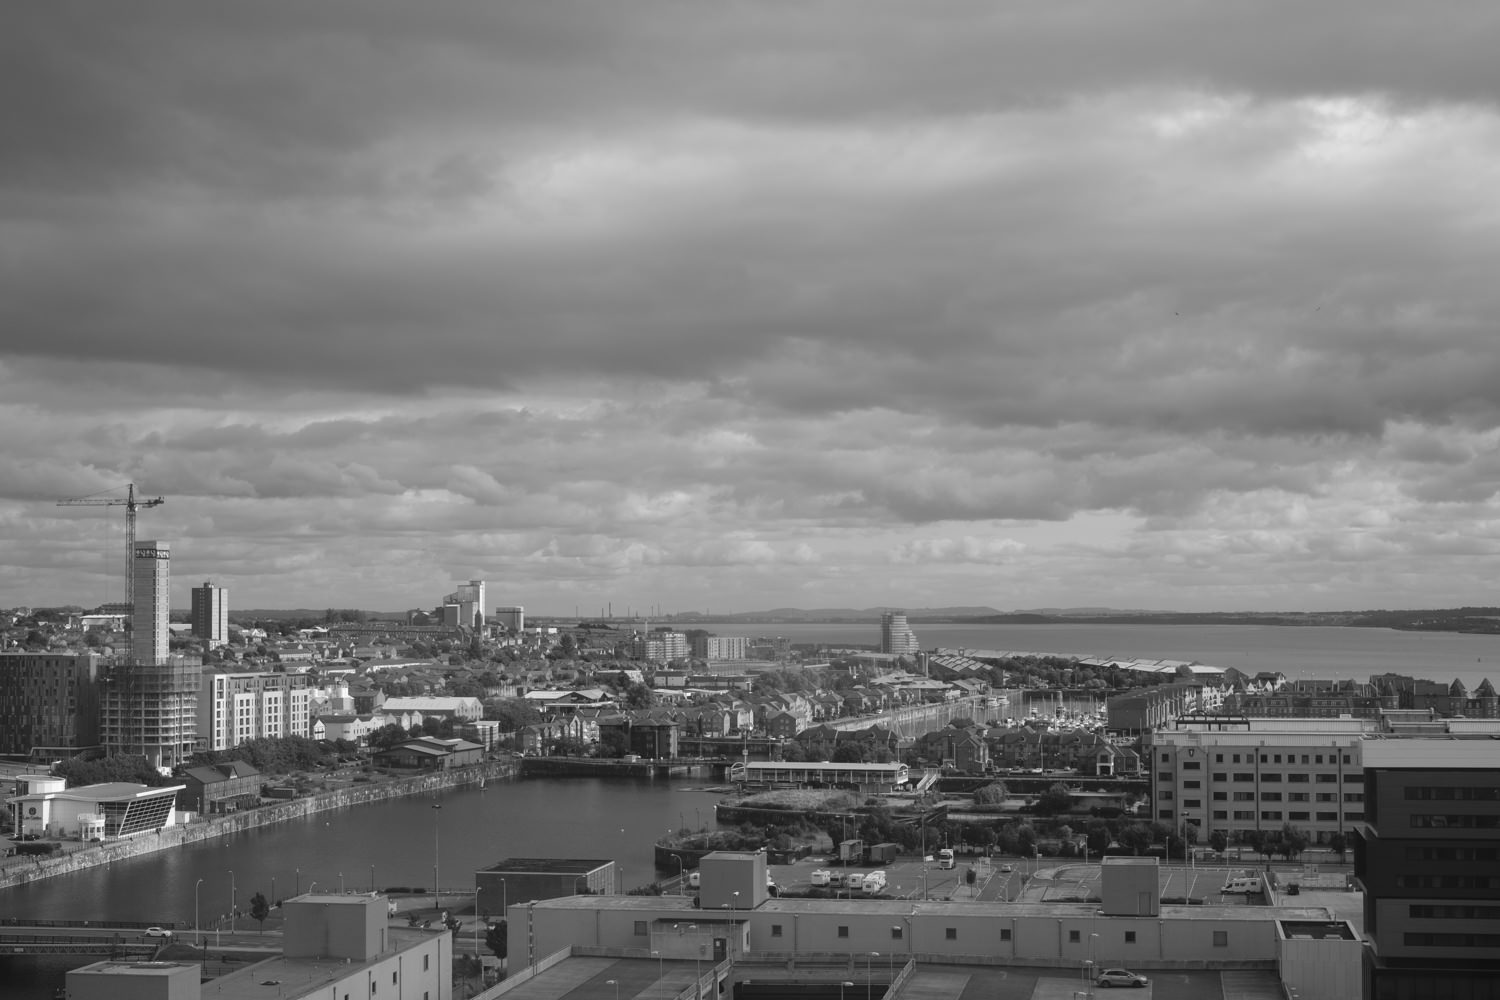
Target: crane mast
{"x": 131, "y": 505}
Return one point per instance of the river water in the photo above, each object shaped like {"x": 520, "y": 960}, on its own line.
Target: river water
{"x": 1298, "y": 652}
{"x": 391, "y": 843}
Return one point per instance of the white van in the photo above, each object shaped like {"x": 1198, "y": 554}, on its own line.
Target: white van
{"x": 1244, "y": 884}
{"x": 854, "y": 881}
{"x": 874, "y": 883}
{"x": 822, "y": 877}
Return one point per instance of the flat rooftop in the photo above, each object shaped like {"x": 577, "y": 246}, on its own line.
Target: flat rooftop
{"x": 893, "y": 908}
{"x": 548, "y": 866}
{"x": 1321, "y": 930}
{"x": 296, "y": 976}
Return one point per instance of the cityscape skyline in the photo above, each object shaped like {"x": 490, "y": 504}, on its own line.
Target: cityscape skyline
{"x": 820, "y": 305}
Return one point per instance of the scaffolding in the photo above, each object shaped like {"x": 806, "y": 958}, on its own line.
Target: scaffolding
{"x": 150, "y": 709}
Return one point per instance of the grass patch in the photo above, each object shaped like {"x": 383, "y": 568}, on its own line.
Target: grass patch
{"x": 801, "y": 799}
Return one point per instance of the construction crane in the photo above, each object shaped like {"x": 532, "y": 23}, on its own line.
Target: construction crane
{"x": 131, "y": 505}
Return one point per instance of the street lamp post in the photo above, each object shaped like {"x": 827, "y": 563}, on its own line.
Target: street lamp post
{"x": 616, "y": 984}
{"x": 273, "y": 890}
{"x": 436, "y": 811}
{"x": 697, "y": 961}
{"x": 869, "y": 976}
{"x": 841, "y": 988}
{"x": 372, "y": 880}
{"x": 661, "y": 975}
{"x": 311, "y": 886}
{"x": 680, "y": 886}
{"x": 231, "y": 901}
{"x": 341, "y": 883}
{"x": 197, "y": 931}
{"x": 297, "y": 885}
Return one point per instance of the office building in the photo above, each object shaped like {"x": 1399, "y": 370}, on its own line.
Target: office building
{"x": 49, "y": 704}
{"x": 236, "y": 707}
{"x": 1428, "y": 859}
{"x": 1255, "y": 778}
{"x": 896, "y": 635}
{"x": 151, "y": 577}
{"x": 211, "y": 614}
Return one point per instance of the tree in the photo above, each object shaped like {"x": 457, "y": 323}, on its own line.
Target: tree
{"x": 1054, "y": 800}
{"x": 1294, "y": 840}
{"x": 992, "y": 794}
{"x": 1339, "y": 843}
{"x": 495, "y": 939}
{"x": 1218, "y": 840}
{"x": 260, "y": 909}
{"x": 613, "y": 742}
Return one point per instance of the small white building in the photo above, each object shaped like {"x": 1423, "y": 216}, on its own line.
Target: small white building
{"x": 47, "y": 808}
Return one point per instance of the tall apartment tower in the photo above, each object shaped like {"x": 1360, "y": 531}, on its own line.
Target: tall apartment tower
{"x": 896, "y": 635}
{"x": 151, "y": 575}
{"x": 1428, "y": 859}
{"x": 148, "y": 703}
{"x": 211, "y": 614}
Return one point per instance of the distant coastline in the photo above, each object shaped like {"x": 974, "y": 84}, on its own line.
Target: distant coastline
{"x": 1467, "y": 620}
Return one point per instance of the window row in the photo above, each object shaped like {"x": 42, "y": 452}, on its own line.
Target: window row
{"x": 1276, "y": 758}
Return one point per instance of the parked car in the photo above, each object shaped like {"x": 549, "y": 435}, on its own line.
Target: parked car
{"x": 1006, "y": 869}
{"x": 1122, "y": 977}
{"x": 157, "y": 932}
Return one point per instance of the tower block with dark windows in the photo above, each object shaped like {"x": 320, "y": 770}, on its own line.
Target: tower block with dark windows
{"x": 1428, "y": 859}
{"x": 148, "y": 703}
{"x": 211, "y": 614}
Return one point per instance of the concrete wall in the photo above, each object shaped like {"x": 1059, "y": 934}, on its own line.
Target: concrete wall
{"x": 1326, "y": 969}
{"x": 988, "y": 933}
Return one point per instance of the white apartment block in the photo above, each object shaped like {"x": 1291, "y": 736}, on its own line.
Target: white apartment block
{"x": 660, "y": 646}
{"x": 1306, "y": 772}
{"x": 721, "y": 647}
{"x": 234, "y": 708}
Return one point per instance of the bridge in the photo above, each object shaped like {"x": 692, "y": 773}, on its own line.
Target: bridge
{"x": 21, "y": 936}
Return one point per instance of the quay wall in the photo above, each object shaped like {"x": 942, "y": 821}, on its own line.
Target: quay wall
{"x": 21, "y": 870}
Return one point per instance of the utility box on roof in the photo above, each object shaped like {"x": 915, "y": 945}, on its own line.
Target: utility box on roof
{"x": 1130, "y": 887}
{"x": 732, "y": 880}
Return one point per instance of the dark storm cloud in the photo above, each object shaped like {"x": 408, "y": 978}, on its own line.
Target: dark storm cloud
{"x": 697, "y": 297}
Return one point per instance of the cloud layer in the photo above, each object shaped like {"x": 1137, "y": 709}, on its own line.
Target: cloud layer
{"x": 736, "y": 306}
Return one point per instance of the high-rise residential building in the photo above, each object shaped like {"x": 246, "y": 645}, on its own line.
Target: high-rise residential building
{"x": 659, "y": 646}
{"x": 236, "y": 707}
{"x": 1259, "y": 777}
{"x": 49, "y": 704}
{"x": 721, "y": 647}
{"x": 150, "y": 709}
{"x": 896, "y": 635}
{"x": 211, "y": 614}
{"x": 511, "y": 617}
{"x": 148, "y": 703}
{"x": 151, "y": 576}
{"x": 1428, "y": 859}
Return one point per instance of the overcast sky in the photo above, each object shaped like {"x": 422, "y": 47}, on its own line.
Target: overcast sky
{"x": 730, "y": 306}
